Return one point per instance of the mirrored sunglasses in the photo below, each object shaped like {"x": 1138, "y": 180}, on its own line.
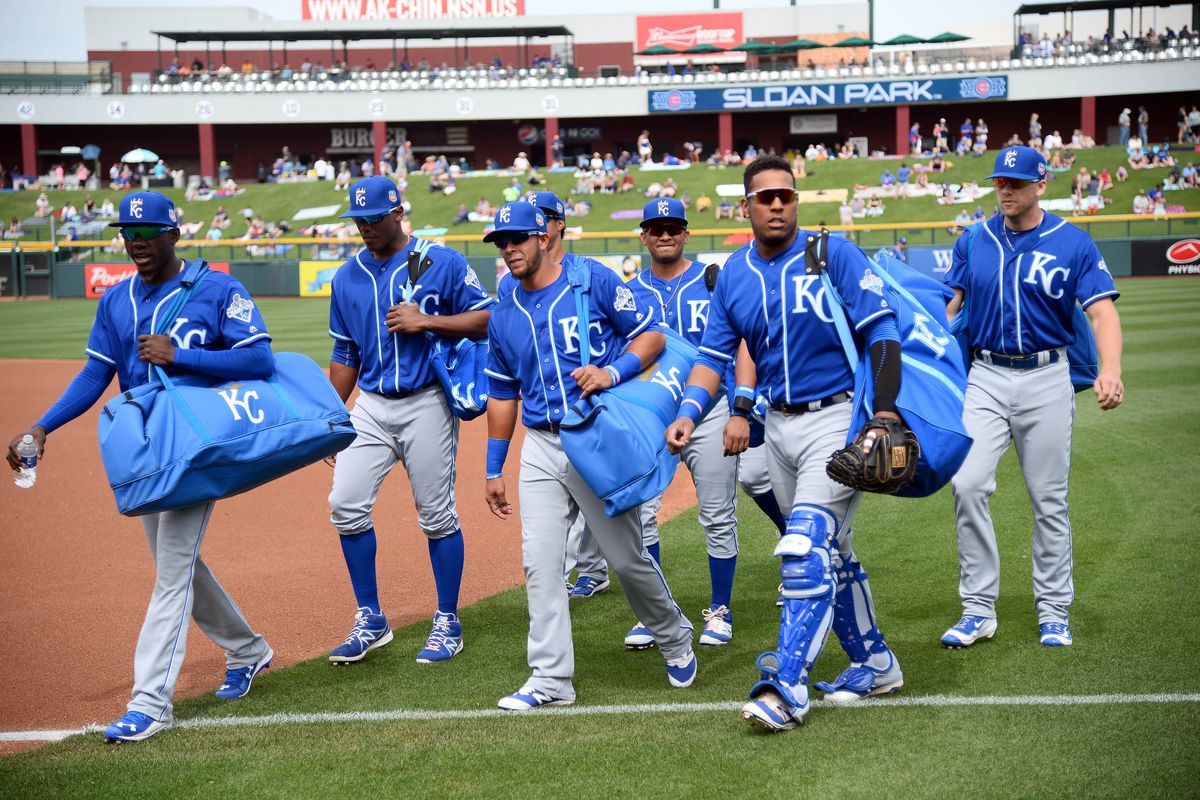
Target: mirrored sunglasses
{"x": 1015, "y": 183}
{"x": 502, "y": 242}
{"x": 144, "y": 232}
{"x": 669, "y": 228}
{"x": 766, "y": 197}
{"x": 373, "y": 219}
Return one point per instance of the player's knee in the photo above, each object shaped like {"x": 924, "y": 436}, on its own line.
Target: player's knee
{"x": 349, "y": 515}
{"x": 805, "y": 559}
{"x": 721, "y": 543}
{"x": 968, "y": 485}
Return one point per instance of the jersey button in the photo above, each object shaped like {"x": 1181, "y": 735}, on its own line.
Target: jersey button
{"x": 553, "y": 387}
{"x": 546, "y": 360}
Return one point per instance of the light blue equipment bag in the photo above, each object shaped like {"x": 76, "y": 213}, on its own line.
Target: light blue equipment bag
{"x": 933, "y": 379}
{"x": 173, "y": 443}
{"x": 616, "y": 439}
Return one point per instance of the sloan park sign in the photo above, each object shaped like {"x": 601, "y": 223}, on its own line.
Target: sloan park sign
{"x": 818, "y": 95}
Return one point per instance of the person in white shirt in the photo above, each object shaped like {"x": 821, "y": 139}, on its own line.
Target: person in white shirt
{"x": 521, "y": 163}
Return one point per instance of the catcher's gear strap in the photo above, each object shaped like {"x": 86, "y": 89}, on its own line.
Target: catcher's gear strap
{"x": 853, "y": 622}
{"x": 710, "y": 276}
{"x": 885, "y": 363}
{"x": 816, "y": 259}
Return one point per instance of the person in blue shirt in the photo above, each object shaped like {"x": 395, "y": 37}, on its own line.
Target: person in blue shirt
{"x": 887, "y": 179}
{"x": 770, "y": 296}
{"x": 1018, "y": 277}
{"x": 219, "y": 333}
{"x": 902, "y": 176}
{"x": 379, "y": 315}
{"x": 535, "y": 357}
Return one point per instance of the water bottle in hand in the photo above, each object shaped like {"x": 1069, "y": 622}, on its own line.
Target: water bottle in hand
{"x": 28, "y": 452}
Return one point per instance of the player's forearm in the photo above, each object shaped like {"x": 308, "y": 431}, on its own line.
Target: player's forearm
{"x": 648, "y": 345}
{"x": 1106, "y": 323}
{"x": 80, "y": 395}
{"x": 469, "y": 324}
{"x": 343, "y": 379}
{"x": 955, "y": 304}
{"x": 244, "y": 363}
{"x": 744, "y": 369}
{"x": 501, "y": 418}
{"x": 706, "y": 378}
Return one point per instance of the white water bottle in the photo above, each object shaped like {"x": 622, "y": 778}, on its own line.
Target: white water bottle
{"x": 28, "y": 452}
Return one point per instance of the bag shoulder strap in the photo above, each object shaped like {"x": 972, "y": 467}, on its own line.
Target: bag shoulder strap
{"x": 711, "y": 273}
{"x": 816, "y": 259}
{"x": 193, "y": 274}
{"x": 579, "y": 276}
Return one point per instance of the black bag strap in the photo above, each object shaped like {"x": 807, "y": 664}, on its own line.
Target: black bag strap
{"x": 711, "y": 272}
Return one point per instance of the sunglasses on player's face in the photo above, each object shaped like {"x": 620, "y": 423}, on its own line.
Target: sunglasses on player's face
{"x": 767, "y": 197}
{"x": 657, "y": 229}
{"x": 373, "y": 219}
{"x": 144, "y": 232}
{"x": 1012, "y": 183}
{"x": 502, "y": 242}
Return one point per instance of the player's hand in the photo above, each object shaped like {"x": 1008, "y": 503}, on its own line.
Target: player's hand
{"x": 331, "y": 460}
{"x": 39, "y": 437}
{"x": 496, "y": 499}
{"x": 156, "y": 349}
{"x": 873, "y": 433}
{"x": 406, "y": 318}
{"x": 737, "y": 435}
{"x": 1110, "y": 392}
{"x": 592, "y": 379}
{"x": 679, "y": 434}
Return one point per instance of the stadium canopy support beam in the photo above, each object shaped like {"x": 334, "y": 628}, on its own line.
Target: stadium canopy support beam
{"x": 29, "y": 162}
{"x": 208, "y": 150}
{"x": 902, "y": 125}
{"x": 725, "y": 131}
{"x": 1087, "y": 115}
{"x": 160, "y": 67}
{"x": 379, "y": 141}
{"x": 551, "y": 132}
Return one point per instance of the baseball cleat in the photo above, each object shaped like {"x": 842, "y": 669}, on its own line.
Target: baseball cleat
{"x": 445, "y": 640}
{"x": 682, "y": 671}
{"x": 859, "y": 681}
{"x": 134, "y": 727}
{"x": 370, "y": 632}
{"x": 968, "y": 630}
{"x": 1055, "y": 634}
{"x": 769, "y": 711}
{"x": 527, "y": 699}
{"x": 587, "y": 586}
{"x": 718, "y": 626}
{"x": 237, "y": 681}
{"x": 639, "y": 637}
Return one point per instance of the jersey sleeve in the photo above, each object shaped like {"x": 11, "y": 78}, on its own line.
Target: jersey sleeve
{"x": 1095, "y": 281}
{"x": 956, "y": 276}
{"x": 464, "y": 292}
{"x": 628, "y": 314}
{"x": 719, "y": 344}
{"x": 101, "y": 344}
{"x": 861, "y": 289}
{"x": 241, "y": 322}
{"x": 338, "y": 329}
{"x": 502, "y": 379}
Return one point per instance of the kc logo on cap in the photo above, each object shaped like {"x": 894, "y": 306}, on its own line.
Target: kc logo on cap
{"x": 135, "y": 207}
{"x": 1010, "y": 158}
{"x": 664, "y": 208}
{"x": 360, "y": 197}
{"x": 505, "y": 214}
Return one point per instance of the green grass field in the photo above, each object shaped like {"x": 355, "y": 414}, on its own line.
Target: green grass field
{"x": 1134, "y": 514}
{"x": 280, "y": 201}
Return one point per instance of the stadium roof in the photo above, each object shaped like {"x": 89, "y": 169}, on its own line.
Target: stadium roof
{"x": 359, "y": 34}
{"x": 1094, "y": 5}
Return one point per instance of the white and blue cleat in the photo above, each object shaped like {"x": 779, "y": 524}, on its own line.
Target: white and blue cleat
{"x": 370, "y": 632}
{"x": 859, "y": 681}
{"x": 1055, "y": 634}
{"x": 445, "y": 640}
{"x": 718, "y": 626}
{"x": 969, "y": 630}
{"x": 237, "y": 681}
{"x": 134, "y": 727}
{"x": 639, "y": 637}
{"x": 682, "y": 671}
{"x": 528, "y": 699}
{"x": 587, "y": 586}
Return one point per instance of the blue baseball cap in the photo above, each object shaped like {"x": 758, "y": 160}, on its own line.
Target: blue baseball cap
{"x": 1022, "y": 163}
{"x": 518, "y": 217}
{"x": 549, "y": 203}
{"x": 146, "y": 208}
{"x": 903, "y": 240}
{"x": 663, "y": 208}
{"x": 374, "y": 195}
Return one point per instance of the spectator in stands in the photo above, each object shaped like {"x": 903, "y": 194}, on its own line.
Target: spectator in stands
{"x": 1052, "y": 142}
{"x": 68, "y": 212}
{"x": 914, "y": 139}
{"x": 342, "y": 183}
{"x": 106, "y": 210}
{"x": 1141, "y": 203}
{"x": 669, "y": 189}
{"x": 1123, "y": 122}
{"x": 247, "y": 67}
{"x": 902, "y": 177}
{"x": 42, "y": 207}
{"x": 521, "y": 162}
{"x": 941, "y": 135}
{"x": 875, "y": 207}
{"x": 938, "y": 165}
{"x": 14, "y": 229}
{"x": 644, "y": 148}
{"x": 1137, "y": 156}
{"x": 887, "y": 180}
{"x": 858, "y": 209}
{"x": 961, "y": 222}
{"x": 462, "y": 215}
{"x": 703, "y": 203}
{"x": 1193, "y": 119}
{"x": 798, "y": 166}
{"x": 1122, "y": 173}
{"x": 750, "y": 154}
{"x": 1188, "y": 178}
{"x": 627, "y": 183}
{"x": 1035, "y": 132}
{"x": 512, "y": 192}
{"x": 981, "y": 137}
{"x": 1143, "y": 123}
{"x": 845, "y": 214}
{"x": 724, "y": 209}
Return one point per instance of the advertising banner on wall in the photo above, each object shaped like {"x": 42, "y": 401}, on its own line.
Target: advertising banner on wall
{"x": 681, "y": 31}
{"x": 353, "y": 10}
{"x": 316, "y": 278}
{"x": 98, "y": 278}
{"x": 1166, "y": 257}
{"x": 825, "y": 95}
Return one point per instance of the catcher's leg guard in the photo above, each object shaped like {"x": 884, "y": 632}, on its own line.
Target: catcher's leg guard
{"x": 808, "y": 592}
{"x": 873, "y": 668}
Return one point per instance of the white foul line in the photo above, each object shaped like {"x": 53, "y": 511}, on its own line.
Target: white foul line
{"x": 401, "y": 715}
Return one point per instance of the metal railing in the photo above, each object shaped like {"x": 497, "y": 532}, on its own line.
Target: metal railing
{"x": 56, "y": 77}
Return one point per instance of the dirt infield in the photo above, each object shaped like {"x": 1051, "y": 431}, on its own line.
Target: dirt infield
{"x": 75, "y": 576}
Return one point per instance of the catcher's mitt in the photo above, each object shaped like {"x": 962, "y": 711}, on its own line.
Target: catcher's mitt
{"x": 887, "y": 467}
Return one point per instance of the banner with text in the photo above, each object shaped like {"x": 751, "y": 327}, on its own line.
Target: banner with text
{"x": 98, "y": 278}
{"x": 1166, "y": 256}
{"x": 354, "y": 10}
{"x": 824, "y": 95}
{"x": 681, "y": 31}
{"x": 316, "y": 278}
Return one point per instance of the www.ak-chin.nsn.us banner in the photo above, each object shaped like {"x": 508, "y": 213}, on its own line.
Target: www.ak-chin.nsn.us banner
{"x": 824, "y": 95}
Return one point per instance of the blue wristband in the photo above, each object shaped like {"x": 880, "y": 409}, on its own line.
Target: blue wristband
{"x": 696, "y": 400}
{"x": 497, "y": 452}
{"x": 625, "y": 367}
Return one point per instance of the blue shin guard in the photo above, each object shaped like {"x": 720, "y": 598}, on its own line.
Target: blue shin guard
{"x": 873, "y": 669}
{"x": 808, "y": 594}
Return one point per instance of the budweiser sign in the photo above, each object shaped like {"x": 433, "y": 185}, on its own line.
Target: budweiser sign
{"x": 681, "y": 31}
{"x": 99, "y": 278}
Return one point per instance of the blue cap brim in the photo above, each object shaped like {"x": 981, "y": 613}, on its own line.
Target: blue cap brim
{"x": 366, "y": 212}
{"x": 1021, "y": 176}
{"x": 646, "y": 222}
{"x": 496, "y": 233}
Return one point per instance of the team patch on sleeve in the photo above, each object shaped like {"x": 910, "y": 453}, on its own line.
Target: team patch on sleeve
{"x": 624, "y": 299}
{"x": 240, "y": 308}
{"x": 871, "y": 283}
{"x": 472, "y": 279}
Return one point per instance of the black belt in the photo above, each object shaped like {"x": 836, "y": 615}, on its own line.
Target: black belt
{"x": 815, "y": 405}
{"x": 1031, "y": 361}
{"x": 551, "y": 427}
{"x": 409, "y": 393}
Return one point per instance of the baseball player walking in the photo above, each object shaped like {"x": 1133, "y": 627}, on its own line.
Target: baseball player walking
{"x": 535, "y": 355}
{"x": 1018, "y": 281}
{"x": 770, "y": 297}
{"x": 378, "y": 316}
{"x": 219, "y": 333}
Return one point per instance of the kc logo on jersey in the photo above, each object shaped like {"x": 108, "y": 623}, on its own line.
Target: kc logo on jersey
{"x": 183, "y": 340}
{"x": 698, "y": 311}
{"x": 570, "y": 331}
{"x": 806, "y": 297}
{"x": 1038, "y": 274}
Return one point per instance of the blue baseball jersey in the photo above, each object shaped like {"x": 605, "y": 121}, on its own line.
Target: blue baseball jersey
{"x": 364, "y": 289}
{"x": 220, "y": 315}
{"x": 533, "y": 340}
{"x": 1021, "y": 288}
{"x": 786, "y": 319}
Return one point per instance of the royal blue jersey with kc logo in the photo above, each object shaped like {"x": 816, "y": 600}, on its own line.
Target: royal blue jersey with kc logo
{"x": 364, "y": 289}
{"x": 219, "y": 315}
{"x": 787, "y": 321}
{"x": 1021, "y": 288}
{"x": 533, "y": 340}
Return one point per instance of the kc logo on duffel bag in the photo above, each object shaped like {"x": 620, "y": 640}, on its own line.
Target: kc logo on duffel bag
{"x": 230, "y": 396}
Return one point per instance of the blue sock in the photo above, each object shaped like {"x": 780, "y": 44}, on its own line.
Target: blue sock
{"x": 446, "y": 556}
{"x": 766, "y": 501}
{"x": 359, "y": 552}
{"x": 652, "y": 549}
{"x": 720, "y": 572}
